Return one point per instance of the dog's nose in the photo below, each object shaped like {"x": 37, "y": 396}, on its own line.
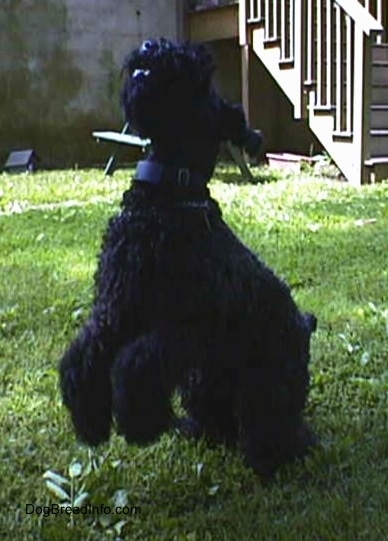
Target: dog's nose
{"x": 253, "y": 142}
{"x": 146, "y": 46}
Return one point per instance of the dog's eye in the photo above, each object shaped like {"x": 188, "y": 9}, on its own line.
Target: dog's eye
{"x": 147, "y": 46}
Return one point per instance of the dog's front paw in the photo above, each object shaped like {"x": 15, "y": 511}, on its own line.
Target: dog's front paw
{"x": 188, "y": 427}
{"x": 295, "y": 446}
{"x": 86, "y": 392}
{"x": 140, "y": 401}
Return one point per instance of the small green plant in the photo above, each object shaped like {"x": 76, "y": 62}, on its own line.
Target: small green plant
{"x": 70, "y": 491}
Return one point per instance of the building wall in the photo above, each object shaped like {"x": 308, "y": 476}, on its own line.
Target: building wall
{"x": 60, "y": 76}
{"x": 60, "y": 71}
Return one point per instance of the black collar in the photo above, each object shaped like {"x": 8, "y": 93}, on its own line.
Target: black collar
{"x": 157, "y": 173}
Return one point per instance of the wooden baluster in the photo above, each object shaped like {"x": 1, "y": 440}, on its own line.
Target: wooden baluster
{"x": 298, "y": 53}
{"x": 292, "y": 29}
{"x": 379, "y": 17}
{"x": 275, "y": 20}
{"x": 329, "y": 61}
{"x": 310, "y": 43}
{"x": 252, "y": 10}
{"x": 266, "y": 19}
{"x": 338, "y": 75}
{"x": 283, "y": 32}
{"x": 319, "y": 53}
{"x": 379, "y": 11}
{"x": 349, "y": 76}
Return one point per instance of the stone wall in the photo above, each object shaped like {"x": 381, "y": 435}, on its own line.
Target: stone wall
{"x": 60, "y": 71}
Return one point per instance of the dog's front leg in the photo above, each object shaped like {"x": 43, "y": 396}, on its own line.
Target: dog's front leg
{"x": 85, "y": 367}
{"x": 85, "y": 381}
{"x": 144, "y": 376}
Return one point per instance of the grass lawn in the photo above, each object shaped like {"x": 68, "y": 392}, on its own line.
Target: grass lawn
{"x": 328, "y": 240}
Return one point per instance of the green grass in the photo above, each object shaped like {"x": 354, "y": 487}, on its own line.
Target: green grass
{"x": 328, "y": 240}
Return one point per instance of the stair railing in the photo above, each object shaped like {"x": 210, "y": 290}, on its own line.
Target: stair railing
{"x": 328, "y": 44}
{"x": 344, "y": 35}
{"x": 375, "y": 8}
{"x": 281, "y": 21}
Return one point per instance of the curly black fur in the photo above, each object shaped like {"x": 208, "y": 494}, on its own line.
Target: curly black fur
{"x": 180, "y": 302}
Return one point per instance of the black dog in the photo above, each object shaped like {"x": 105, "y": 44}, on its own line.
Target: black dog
{"x": 181, "y": 303}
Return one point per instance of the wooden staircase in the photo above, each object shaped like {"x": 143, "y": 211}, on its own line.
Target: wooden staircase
{"x": 379, "y": 111}
{"x": 330, "y": 59}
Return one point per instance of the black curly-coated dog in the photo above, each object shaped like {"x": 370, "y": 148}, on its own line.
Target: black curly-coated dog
{"x": 180, "y": 302}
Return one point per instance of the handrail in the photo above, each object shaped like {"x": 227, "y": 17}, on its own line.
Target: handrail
{"x": 361, "y": 16}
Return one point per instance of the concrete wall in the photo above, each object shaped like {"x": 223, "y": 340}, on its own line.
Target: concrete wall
{"x": 60, "y": 76}
{"x": 60, "y": 71}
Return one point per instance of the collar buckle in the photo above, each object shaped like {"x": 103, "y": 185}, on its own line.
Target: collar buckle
{"x": 183, "y": 177}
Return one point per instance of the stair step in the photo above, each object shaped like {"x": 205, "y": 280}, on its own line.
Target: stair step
{"x": 379, "y": 142}
{"x": 379, "y": 133}
{"x": 379, "y": 117}
{"x": 379, "y": 94}
{"x": 380, "y": 72}
{"x": 377, "y": 160}
{"x": 271, "y": 42}
{"x": 380, "y": 52}
{"x": 378, "y": 168}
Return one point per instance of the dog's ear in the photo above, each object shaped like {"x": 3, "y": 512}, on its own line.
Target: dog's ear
{"x": 232, "y": 123}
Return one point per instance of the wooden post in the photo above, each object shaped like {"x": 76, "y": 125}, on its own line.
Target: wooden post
{"x": 298, "y": 54}
{"x": 361, "y": 105}
{"x": 181, "y": 11}
{"x": 242, "y": 22}
{"x": 245, "y": 75}
{"x": 244, "y": 43}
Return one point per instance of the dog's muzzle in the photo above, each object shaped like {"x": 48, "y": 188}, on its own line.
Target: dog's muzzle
{"x": 311, "y": 322}
{"x": 253, "y": 142}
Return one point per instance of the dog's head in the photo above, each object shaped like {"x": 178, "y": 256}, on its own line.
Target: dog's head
{"x": 168, "y": 94}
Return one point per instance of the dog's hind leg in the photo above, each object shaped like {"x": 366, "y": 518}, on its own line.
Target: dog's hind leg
{"x": 273, "y": 430}
{"x": 272, "y": 401}
{"x": 209, "y": 402}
